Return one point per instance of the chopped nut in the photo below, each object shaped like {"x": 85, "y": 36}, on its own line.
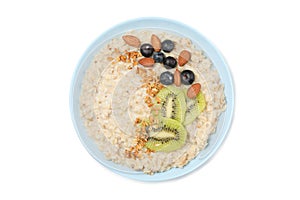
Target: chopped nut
{"x": 123, "y": 58}
{"x": 148, "y": 100}
{"x": 153, "y": 88}
{"x": 129, "y": 57}
{"x": 149, "y": 151}
{"x": 137, "y": 121}
{"x": 135, "y": 151}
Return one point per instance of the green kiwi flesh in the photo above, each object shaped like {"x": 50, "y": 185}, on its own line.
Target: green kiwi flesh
{"x": 169, "y": 135}
{"x": 173, "y": 104}
{"x": 194, "y": 108}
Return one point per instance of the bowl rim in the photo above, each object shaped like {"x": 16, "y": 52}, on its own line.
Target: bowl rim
{"x": 229, "y": 108}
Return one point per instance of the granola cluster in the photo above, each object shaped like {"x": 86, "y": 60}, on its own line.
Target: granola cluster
{"x": 135, "y": 151}
{"x": 129, "y": 57}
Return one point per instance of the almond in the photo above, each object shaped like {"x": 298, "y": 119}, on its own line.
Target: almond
{"x": 194, "y": 90}
{"x": 177, "y": 79}
{"x": 184, "y": 57}
{"x": 131, "y": 40}
{"x": 147, "y": 62}
{"x": 155, "y": 41}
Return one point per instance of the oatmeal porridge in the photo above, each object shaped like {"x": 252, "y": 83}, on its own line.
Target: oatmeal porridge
{"x": 150, "y": 100}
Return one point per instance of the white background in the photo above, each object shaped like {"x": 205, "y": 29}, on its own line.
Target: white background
{"x": 41, "y": 156}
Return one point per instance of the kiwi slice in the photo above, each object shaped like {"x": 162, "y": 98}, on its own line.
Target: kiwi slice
{"x": 194, "y": 108}
{"x": 172, "y": 102}
{"x": 168, "y": 135}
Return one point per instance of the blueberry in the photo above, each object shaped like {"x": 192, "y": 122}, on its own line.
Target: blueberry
{"x": 147, "y": 50}
{"x": 187, "y": 77}
{"x": 170, "y": 62}
{"x": 166, "y": 78}
{"x": 167, "y": 46}
{"x": 159, "y": 57}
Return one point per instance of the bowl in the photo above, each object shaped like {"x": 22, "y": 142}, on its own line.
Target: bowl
{"x": 225, "y": 119}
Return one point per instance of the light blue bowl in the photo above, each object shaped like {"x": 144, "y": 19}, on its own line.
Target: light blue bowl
{"x": 201, "y": 42}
